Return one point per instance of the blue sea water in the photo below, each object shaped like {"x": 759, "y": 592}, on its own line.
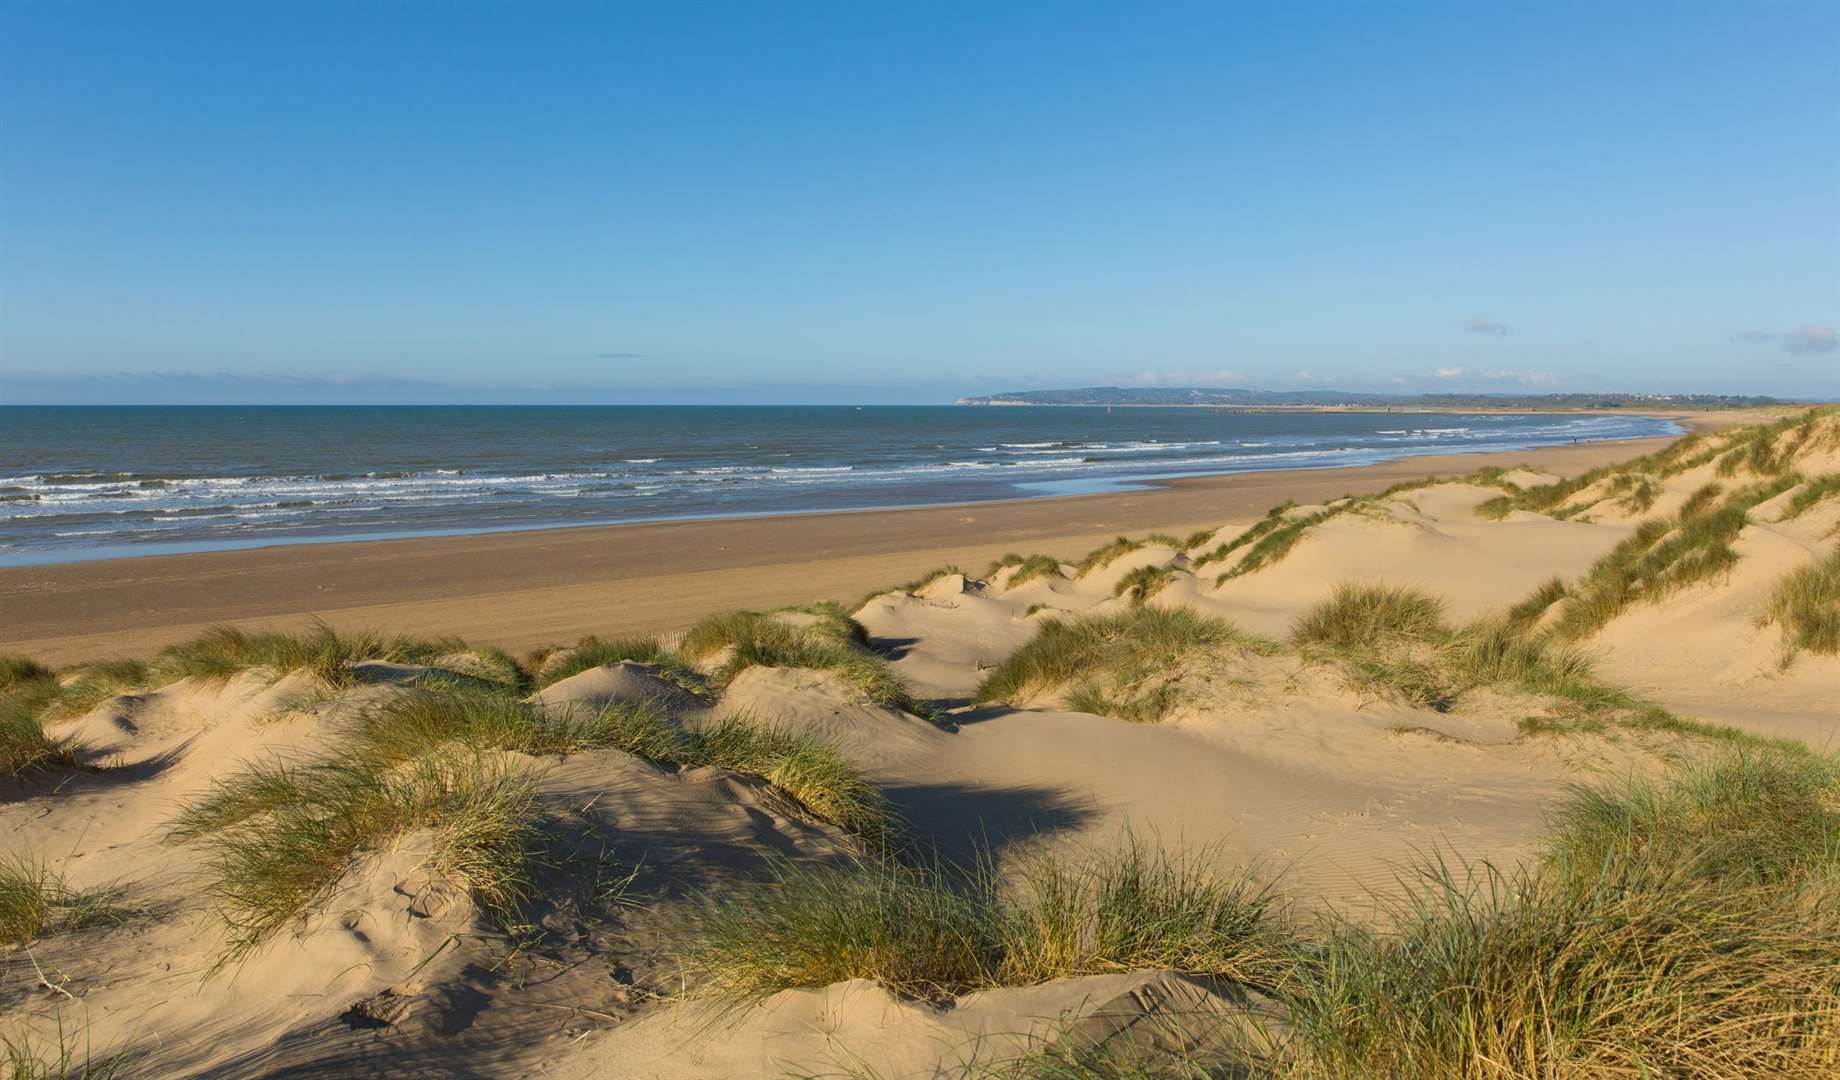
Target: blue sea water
{"x": 94, "y": 482}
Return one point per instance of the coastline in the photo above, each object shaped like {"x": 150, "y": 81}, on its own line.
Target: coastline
{"x": 522, "y": 589}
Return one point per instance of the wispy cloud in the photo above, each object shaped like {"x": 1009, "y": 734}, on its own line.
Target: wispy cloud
{"x": 1802, "y": 341}
{"x": 1483, "y": 325}
{"x": 1811, "y": 339}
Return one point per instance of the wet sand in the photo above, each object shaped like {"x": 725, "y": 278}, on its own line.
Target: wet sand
{"x": 524, "y": 589}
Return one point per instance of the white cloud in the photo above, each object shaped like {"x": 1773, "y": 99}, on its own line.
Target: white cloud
{"x": 1483, "y": 325}
{"x": 1450, "y": 372}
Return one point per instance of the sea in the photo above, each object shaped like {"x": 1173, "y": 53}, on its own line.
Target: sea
{"x": 102, "y": 482}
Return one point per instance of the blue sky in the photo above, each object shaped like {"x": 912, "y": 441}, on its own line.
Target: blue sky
{"x": 904, "y": 203}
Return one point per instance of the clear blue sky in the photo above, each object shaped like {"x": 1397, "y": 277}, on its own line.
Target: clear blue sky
{"x": 908, "y": 202}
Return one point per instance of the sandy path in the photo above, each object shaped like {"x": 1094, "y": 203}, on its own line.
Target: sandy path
{"x": 524, "y": 589}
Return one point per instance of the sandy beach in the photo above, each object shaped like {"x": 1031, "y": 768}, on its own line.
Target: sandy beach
{"x": 519, "y": 590}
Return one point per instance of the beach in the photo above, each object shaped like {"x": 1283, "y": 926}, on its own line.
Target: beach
{"x": 524, "y": 589}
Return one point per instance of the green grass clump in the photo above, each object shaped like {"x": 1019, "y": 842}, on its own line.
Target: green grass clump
{"x": 36, "y": 900}
{"x": 1662, "y": 556}
{"x": 1101, "y": 557}
{"x": 1141, "y": 584}
{"x": 1272, "y": 519}
{"x": 810, "y": 771}
{"x": 592, "y": 652}
{"x": 18, "y": 670}
{"x": 1358, "y": 614}
{"x": 752, "y": 638}
{"x": 1688, "y": 929}
{"x": 221, "y": 652}
{"x": 1702, "y": 500}
{"x": 1747, "y": 817}
{"x": 1806, "y": 603}
{"x": 24, "y": 745}
{"x": 1028, "y": 568}
{"x": 1812, "y": 494}
{"x": 1114, "y": 664}
{"x": 1163, "y": 539}
{"x": 281, "y": 838}
{"x": 1394, "y": 641}
{"x": 1525, "y": 613}
{"x": 1198, "y": 538}
{"x": 933, "y": 932}
{"x": 95, "y": 683}
{"x": 1273, "y": 544}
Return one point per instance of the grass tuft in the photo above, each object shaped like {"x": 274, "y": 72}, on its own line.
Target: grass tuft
{"x": 1687, "y": 929}
{"x": 1101, "y": 557}
{"x": 592, "y": 652}
{"x": 1028, "y": 568}
{"x": 1805, "y": 602}
{"x": 1358, "y": 614}
{"x": 16, "y": 671}
{"x": 221, "y": 652}
{"x": 281, "y": 838}
{"x": 1814, "y": 492}
{"x": 35, "y": 900}
{"x": 751, "y": 638}
{"x": 24, "y": 745}
{"x": 1141, "y": 584}
{"x": 933, "y": 932}
{"x": 1117, "y": 664}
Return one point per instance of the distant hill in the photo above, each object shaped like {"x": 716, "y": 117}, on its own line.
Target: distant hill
{"x": 1229, "y": 397}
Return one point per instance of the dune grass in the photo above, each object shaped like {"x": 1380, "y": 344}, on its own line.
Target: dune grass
{"x": 1523, "y": 614}
{"x": 1272, "y": 519}
{"x": 811, "y": 772}
{"x": 1805, "y": 603}
{"x": 36, "y": 900}
{"x": 834, "y": 643}
{"x": 592, "y": 652}
{"x": 1141, "y": 584}
{"x": 1101, "y": 557}
{"x": 934, "y": 931}
{"x": 1113, "y": 664}
{"x": 1274, "y": 543}
{"x": 1813, "y": 492}
{"x": 16, "y": 671}
{"x": 1662, "y": 556}
{"x": 1199, "y": 538}
{"x": 24, "y": 745}
{"x": 65, "y": 1056}
{"x": 92, "y": 684}
{"x": 280, "y": 838}
{"x": 1688, "y": 928}
{"x": 1393, "y": 640}
{"x": 1028, "y": 568}
{"x": 221, "y": 652}
{"x": 1356, "y": 614}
